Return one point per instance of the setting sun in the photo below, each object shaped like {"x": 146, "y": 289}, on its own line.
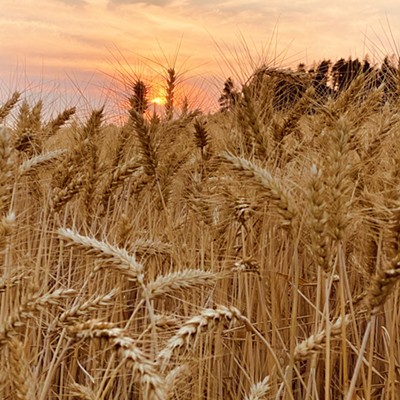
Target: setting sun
{"x": 158, "y": 100}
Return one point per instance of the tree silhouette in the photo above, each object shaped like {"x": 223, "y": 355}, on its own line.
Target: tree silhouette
{"x": 285, "y": 87}
{"x": 344, "y": 72}
{"x": 389, "y": 76}
{"x": 301, "y": 68}
{"x": 339, "y": 70}
{"x": 367, "y": 68}
{"x": 321, "y": 78}
{"x": 287, "y": 93}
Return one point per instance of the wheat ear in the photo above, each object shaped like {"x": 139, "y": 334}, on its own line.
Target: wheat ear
{"x": 118, "y": 176}
{"x": 381, "y": 286}
{"x": 337, "y": 175}
{"x": 11, "y": 281}
{"x": 316, "y": 342}
{"x": 31, "y": 165}
{"x": 82, "y": 392}
{"x": 6, "y": 108}
{"x": 20, "y": 373}
{"x": 6, "y": 170}
{"x": 150, "y": 247}
{"x": 259, "y": 390}
{"x": 147, "y": 149}
{"x": 207, "y": 321}
{"x": 172, "y": 377}
{"x": 61, "y": 196}
{"x": 319, "y": 221}
{"x": 109, "y": 255}
{"x": 269, "y": 185}
{"x": 28, "y": 308}
{"x": 144, "y": 370}
{"x": 7, "y": 224}
{"x": 72, "y": 315}
{"x": 170, "y": 93}
{"x": 60, "y": 120}
{"x": 178, "y": 281}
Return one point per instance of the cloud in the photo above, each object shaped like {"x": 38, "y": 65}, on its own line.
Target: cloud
{"x": 161, "y": 3}
{"x": 74, "y": 3}
{"x": 214, "y": 36}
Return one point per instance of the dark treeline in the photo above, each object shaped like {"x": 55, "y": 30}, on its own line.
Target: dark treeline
{"x": 328, "y": 80}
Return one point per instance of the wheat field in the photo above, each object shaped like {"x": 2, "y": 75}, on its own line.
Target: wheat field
{"x": 251, "y": 253}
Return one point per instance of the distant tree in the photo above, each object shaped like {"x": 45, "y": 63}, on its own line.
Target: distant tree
{"x": 301, "y": 68}
{"x": 356, "y": 68}
{"x": 389, "y": 76}
{"x": 284, "y": 86}
{"x": 367, "y": 68}
{"x": 139, "y": 101}
{"x": 321, "y": 78}
{"x": 338, "y": 74}
{"x": 371, "y": 74}
{"x": 344, "y": 72}
{"x": 287, "y": 93}
{"x": 229, "y": 96}
{"x": 322, "y": 72}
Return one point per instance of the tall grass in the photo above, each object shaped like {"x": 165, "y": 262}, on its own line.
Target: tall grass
{"x": 247, "y": 254}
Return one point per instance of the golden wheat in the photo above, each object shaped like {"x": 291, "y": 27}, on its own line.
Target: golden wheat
{"x": 171, "y": 214}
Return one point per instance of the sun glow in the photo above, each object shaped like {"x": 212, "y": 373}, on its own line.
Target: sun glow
{"x": 158, "y": 100}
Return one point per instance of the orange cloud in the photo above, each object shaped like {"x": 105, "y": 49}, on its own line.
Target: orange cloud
{"x": 60, "y": 38}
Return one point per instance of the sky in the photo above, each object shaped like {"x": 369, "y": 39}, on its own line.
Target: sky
{"x": 90, "y": 51}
